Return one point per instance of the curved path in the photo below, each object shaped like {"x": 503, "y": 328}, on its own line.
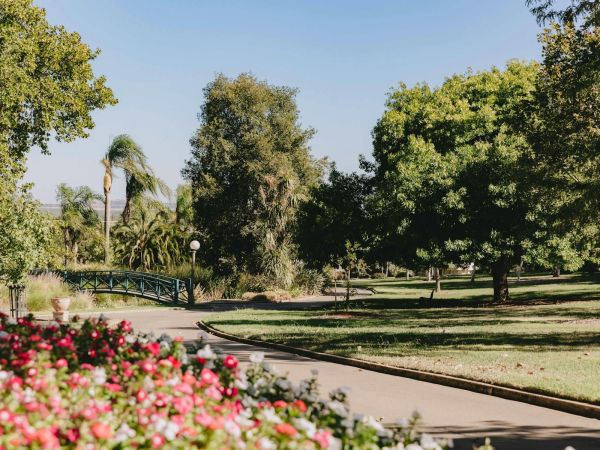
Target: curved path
{"x": 451, "y": 412}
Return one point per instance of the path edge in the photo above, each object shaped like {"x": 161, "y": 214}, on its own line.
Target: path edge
{"x": 546, "y": 401}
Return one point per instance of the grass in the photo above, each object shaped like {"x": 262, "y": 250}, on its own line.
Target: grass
{"x": 42, "y": 288}
{"x": 547, "y": 341}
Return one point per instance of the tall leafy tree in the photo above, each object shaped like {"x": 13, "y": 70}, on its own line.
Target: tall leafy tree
{"x": 250, "y": 170}
{"x": 47, "y": 88}
{"x": 79, "y": 220}
{"x": 564, "y": 124}
{"x": 336, "y": 213}
{"x": 124, "y": 153}
{"x": 449, "y": 168}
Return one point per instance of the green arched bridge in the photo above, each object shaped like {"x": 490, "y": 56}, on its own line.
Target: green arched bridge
{"x": 139, "y": 284}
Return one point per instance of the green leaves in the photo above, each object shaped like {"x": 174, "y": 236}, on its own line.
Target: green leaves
{"x": 250, "y": 170}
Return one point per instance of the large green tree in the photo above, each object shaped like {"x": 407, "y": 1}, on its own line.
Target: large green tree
{"x": 564, "y": 123}
{"x": 450, "y": 172}
{"x": 47, "y": 88}
{"x": 336, "y": 213}
{"x": 250, "y": 170}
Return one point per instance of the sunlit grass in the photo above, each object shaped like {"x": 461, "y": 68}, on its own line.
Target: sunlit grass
{"x": 543, "y": 343}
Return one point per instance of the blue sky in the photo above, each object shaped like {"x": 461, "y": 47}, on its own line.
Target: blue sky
{"x": 343, "y": 56}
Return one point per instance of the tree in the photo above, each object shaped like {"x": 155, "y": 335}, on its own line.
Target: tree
{"x": 336, "y": 213}
{"x": 184, "y": 207}
{"x": 151, "y": 239}
{"x": 47, "y": 82}
{"x": 124, "y": 153}
{"x": 564, "y": 122}
{"x": 449, "y": 169}
{"x": 48, "y": 88}
{"x": 24, "y": 237}
{"x": 250, "y": 171}
{"x": 79, "y": 221}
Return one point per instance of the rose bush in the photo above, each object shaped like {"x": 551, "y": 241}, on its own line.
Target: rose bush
{"x": 88, "y": 385}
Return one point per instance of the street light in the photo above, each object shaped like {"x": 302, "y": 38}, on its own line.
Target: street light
{"x": 194, "y": 246}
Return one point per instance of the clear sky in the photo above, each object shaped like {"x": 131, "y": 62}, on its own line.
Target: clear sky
{"x": 343, "y": 56}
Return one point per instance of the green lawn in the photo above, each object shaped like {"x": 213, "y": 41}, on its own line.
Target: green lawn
{"x": 547, "y": 342}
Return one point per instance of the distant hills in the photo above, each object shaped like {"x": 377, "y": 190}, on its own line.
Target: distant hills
{"x": 116, "y": 208}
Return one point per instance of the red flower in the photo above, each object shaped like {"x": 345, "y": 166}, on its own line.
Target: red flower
{"x": 300, "y": 405}
{"x": 101, "y": 430}
{"x": 157, "y": 441}
{"x": 62, "y": 362}
{"x": 286, "y": 428}
{"x": 230, "y": 362}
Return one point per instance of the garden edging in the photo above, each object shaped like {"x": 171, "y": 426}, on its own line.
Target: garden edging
{"x": 546, "y": 401}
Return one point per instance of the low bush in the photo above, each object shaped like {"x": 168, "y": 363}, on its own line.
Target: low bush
{"x": 274, "y": 296}
{"x": 92, "y": 386}
{"x": 310, "y": 281}
{"x": 378, "y": 275}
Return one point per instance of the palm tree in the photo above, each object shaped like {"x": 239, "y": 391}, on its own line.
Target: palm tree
{"x": 138, "y": 182}
{"x": 124, "y": 153}
{"x": 151, "y": 239}
{"x": 78, "y": 217}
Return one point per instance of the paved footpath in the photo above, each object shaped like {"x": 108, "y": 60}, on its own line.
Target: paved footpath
{"x": 452, "y": 412}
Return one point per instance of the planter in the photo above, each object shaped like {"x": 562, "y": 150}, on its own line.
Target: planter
{"x": 61, "y": 308}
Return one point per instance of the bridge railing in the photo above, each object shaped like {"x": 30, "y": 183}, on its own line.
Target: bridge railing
{"x": 141, "y": 284}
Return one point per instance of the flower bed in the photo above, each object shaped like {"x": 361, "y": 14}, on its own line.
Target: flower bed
{"x": 87, "y": 385}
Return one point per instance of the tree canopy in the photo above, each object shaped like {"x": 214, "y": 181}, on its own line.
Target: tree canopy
{"x": 250, "y": 170}
{"x": 449, "y": 169}
{"x": 47, "y": 88}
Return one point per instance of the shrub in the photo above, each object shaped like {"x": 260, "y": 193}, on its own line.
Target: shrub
{"x": 310, "y": 281}
{"x": 275, "y": 296}
{"x": 93, "y": 386}
{"x": 378, "y": 275}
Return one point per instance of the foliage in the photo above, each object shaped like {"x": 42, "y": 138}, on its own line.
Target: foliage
{"x": 151, "y": 240}
{"x": 563, "y": 125}
{"x": 124, "y": 153}
{"x": 68, "y": 387}
{"x": 184, "y": 207}
{"x": 47, "y": 83}
{"x": 79, "y": 221}
{"x": 42, "y": 288}
{"x": 335, "y": 213}
{"x": 309, "y": 281}
{"x": 25, "y": 236}
{"x": 450, "y": 173}
{"x": 250, "y": 170}
{"x": 48, "y": 89}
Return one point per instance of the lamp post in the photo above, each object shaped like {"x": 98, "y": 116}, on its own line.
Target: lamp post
{"x": 194, "y": 246}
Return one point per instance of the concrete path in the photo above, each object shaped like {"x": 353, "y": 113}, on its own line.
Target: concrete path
{"x": 447, "y": 411}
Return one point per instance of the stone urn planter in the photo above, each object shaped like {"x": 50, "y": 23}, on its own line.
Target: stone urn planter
{"x": 61, "y": 308}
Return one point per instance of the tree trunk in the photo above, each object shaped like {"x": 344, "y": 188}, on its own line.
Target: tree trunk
{"x": 429, "y": 274}
{"x": 387, "y": 269}
{"x": 519, "y": 270}
{"x": 407, "y": 274}
{"x": 126, "y": 215}
{"x": 438, "y": 280}
{"x": 556, "y": 272}
{"x": 473, "y": 274}
{"x": 107, "y": 228}
{"x": 347, "y": 287}
{"x": 500, "y": 280}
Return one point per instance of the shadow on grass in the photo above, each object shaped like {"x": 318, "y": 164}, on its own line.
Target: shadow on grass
{"x": 323, "y": 340}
